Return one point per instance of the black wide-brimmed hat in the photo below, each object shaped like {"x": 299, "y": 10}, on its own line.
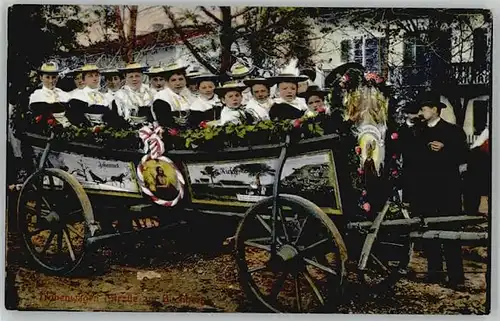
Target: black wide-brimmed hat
{"x": 430, "y": 99}
{"x": 230, "y": 86}
{"x": 313, "y": 90}
{"x": 341, "y": 70}
{"x": 281, "y": 78}
{"x": 258, "y": 81}
{"x": 204, "y": 77}
{"x": 309, "y": 72}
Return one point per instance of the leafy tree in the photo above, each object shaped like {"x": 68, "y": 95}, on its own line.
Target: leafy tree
{"x": 270, "y": 34}
{"x": 36, "y": 32}
{"x": 211, "y": 171}
{"x": 255, "y": 169}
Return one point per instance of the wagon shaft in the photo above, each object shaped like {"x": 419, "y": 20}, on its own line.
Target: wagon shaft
{"x": 410, "y": 222}
{"x": 476, "y": 238}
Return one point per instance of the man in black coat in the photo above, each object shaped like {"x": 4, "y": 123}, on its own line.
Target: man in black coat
{"x": 440, "y": 148}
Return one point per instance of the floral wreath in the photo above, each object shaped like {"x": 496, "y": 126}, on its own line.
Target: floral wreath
{"x": 353, "y": 78}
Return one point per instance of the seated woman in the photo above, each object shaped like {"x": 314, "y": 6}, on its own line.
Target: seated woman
{"x": 207, "y": 106}
{"x": 315, "y": 100}
{"x": 260, "y": 103}
{"x": 89, "y": 106}
{"x": 233, "y": 112}
{"x": 113, "y": 80}
{"x": 288, "y": 105}
{"x": 50, "y": 101}
{"x": 171, "y": 106}
{"x": 156, "y": 77}
{"x": 133, "y": 101}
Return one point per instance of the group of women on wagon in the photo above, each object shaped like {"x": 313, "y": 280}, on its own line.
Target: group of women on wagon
{"x": 174, "y": 98}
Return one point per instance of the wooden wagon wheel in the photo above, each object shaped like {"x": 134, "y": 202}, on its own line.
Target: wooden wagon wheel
{"x": 307, "y": 271}
{"x": 385, "y": 255}
{"x": 54, "y": 212}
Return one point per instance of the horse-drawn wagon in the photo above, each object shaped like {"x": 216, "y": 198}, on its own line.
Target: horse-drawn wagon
{"x": 295, "y": 200}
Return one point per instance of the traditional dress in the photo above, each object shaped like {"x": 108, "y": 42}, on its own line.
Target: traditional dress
{"x": 282, "y": 109}
{"x": 203, "y": 109}
{"x": 259, "y": 110}
{"x": 90, "y": 107}
{"x": 135, "y": 105}
{"x": 171, "y": 109}
{"x": 235, "y": 115}
{"x": 110, "y": 94}
{"x": 46, "y": 101}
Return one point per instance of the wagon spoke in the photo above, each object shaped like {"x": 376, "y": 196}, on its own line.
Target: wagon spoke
{"x": 68, "y": 242}
{"x": 37, "y": 231}
{"x": 301, "y": 230}
{"x": 258, "y": 268}
{"x": 41, "y": 197}
{"x": 280, "y": 213}
{"x": 276, "y": 289}
{"x": 312, "y": 246}
{"x": 49, "y": 240}
{"x": 258, "y": 245}
{"x": 60, "y": 241}
{"x": 74, "y": 230}
{"x": 310, "y": 281}
{"x": 298, "y": 294}
{"x": 74, "y": 212}
{"x": 267, "y": 227}
{"x": 261, "y": 220}
{"x": 320, "y": 266}
{"x": 379, "y": 263}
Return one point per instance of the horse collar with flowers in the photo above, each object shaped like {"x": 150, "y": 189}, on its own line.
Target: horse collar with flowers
{"x": 158, "y": 177}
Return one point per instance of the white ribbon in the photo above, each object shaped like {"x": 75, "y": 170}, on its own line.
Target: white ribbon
{"x": 153, "y": 143}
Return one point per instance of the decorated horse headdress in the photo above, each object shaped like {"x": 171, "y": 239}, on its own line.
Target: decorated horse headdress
{"x": 366, "y": 106}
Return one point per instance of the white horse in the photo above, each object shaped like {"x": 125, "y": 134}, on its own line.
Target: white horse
{"x": 367, "y": 107}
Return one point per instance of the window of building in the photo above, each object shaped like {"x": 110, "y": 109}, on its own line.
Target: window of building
{"x": 415, "y": 49}
{"x": 367, "y": 51}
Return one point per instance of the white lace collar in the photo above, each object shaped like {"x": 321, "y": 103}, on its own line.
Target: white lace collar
{"x": 298, "y": 103}
{"x": 50, "y": 96}
{"x": 203, "y": 104}
{"x": 177, "y": 102}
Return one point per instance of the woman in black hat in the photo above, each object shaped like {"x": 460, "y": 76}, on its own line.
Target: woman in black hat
{"x": 207, "y": 106}
{"x": 315, "y": 100}
{"x": 172, "y": 105}
{"x": 50, "y": 100}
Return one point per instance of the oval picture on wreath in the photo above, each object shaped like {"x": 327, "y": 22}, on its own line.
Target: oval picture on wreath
{"x": 161, "y": 180}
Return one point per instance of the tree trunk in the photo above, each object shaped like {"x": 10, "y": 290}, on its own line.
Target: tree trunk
{"x": 226, "y": 40}
{"x": 131, "y": 37}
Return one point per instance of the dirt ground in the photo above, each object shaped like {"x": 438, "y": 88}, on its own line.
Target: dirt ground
{"x": 198, "y": 274}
